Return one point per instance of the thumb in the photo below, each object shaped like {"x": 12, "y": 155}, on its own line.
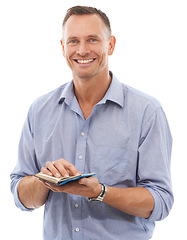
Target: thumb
{"x": 83, "y": 181}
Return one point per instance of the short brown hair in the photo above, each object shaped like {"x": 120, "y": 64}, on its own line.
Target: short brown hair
{"x": 83, "y": 10}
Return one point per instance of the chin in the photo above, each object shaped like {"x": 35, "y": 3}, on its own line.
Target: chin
{"x": 84, "y": 75}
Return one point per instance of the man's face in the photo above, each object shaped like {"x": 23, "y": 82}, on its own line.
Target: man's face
{"x": 86, "y": 45}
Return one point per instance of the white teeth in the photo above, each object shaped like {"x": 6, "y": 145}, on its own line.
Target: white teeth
{"x": 85, "y": 61}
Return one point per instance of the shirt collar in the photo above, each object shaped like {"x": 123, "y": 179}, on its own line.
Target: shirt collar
{"x": 114, "y": 93}
{"x": 67, "y": 93}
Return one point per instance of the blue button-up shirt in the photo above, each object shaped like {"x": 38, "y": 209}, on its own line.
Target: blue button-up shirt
{"x": 126, "y": 141}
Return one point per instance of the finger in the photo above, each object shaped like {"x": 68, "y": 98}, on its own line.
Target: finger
{"x": 50, "y": 167}
{"x": 66, "y": 168}
{"x": 72, "y": 170}
{"x": 51, "y": 187}
{"x": 42, "y": 181}
{"x": 82, "y": 181}
{"x": 90, "y": 182}
{"x": 59, "y": 164}
{"x": 46, "y": 171}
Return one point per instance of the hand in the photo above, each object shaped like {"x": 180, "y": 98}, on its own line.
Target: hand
{"x": 86, "y": 187}
{"x": 60, "y": 168}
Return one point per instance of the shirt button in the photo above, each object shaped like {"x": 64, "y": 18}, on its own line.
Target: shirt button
{"x": 80, "y": 157}
{"x": 77, "y": 229}
{"x": 76, "y": 205}
{"x": 82, "y": 133}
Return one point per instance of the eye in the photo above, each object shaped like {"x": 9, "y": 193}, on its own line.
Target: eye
{"x": 93, "y": 40}
{"x": 71, "y": 42}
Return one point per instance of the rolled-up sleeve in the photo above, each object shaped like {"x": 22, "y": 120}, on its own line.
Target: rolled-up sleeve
{"x": 154, "y": 163}
{"x": 17, "y": 200}
{"x": 27, "y": 163}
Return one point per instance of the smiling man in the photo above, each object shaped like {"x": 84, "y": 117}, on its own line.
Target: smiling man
{"x": 87, "y": 43}
{"x": 95, "y": 124}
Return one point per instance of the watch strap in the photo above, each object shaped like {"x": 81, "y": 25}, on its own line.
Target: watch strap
{"x": 101, "y": 195}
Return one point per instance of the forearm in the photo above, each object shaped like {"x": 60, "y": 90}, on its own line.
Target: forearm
{"x": 32, "y": 193}
{"x": 137, "y": 201}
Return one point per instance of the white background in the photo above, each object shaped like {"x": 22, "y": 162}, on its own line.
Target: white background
{"x": 150, "y": 55}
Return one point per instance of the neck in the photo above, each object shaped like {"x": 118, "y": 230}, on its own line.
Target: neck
{"x": 90, "y": 91}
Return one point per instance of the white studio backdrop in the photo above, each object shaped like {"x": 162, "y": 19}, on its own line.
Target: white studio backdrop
{"x": 150, "y": 55}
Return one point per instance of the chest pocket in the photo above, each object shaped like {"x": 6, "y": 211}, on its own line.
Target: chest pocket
{"x": 111, "y": 165}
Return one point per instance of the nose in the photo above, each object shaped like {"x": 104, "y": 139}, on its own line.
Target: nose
{"x": 82, "y": 49}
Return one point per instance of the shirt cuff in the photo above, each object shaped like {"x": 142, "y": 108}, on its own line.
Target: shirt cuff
{"x": 17, "y": 201}
{"x": 155, "y": 215}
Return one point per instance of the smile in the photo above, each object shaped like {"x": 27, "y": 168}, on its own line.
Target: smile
{"x": 84, "y": 61}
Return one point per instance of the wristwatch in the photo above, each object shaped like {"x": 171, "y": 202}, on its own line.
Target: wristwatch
{"x": 101, "y": 195}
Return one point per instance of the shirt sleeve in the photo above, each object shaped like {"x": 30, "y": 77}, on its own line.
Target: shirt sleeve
{"x": 154, "y": 164}
{"x": 27, "y": 162}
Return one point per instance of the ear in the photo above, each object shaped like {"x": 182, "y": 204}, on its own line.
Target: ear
{"x": 112, "y": 44}
{"x": 63, "y": 48}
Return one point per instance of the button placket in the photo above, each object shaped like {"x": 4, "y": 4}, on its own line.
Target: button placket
{"x": 80, "y": 165}
{"x": 76, "y": 216}
{"x": 81, "y": 148}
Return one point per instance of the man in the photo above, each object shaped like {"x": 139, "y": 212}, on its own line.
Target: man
{"x": 95, "y": 124}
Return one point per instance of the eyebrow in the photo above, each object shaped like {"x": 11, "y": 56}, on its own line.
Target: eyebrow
{"x": 89, "y": 36}
{"x": 93, "y": 36}
{"x": 70, "y": 38}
